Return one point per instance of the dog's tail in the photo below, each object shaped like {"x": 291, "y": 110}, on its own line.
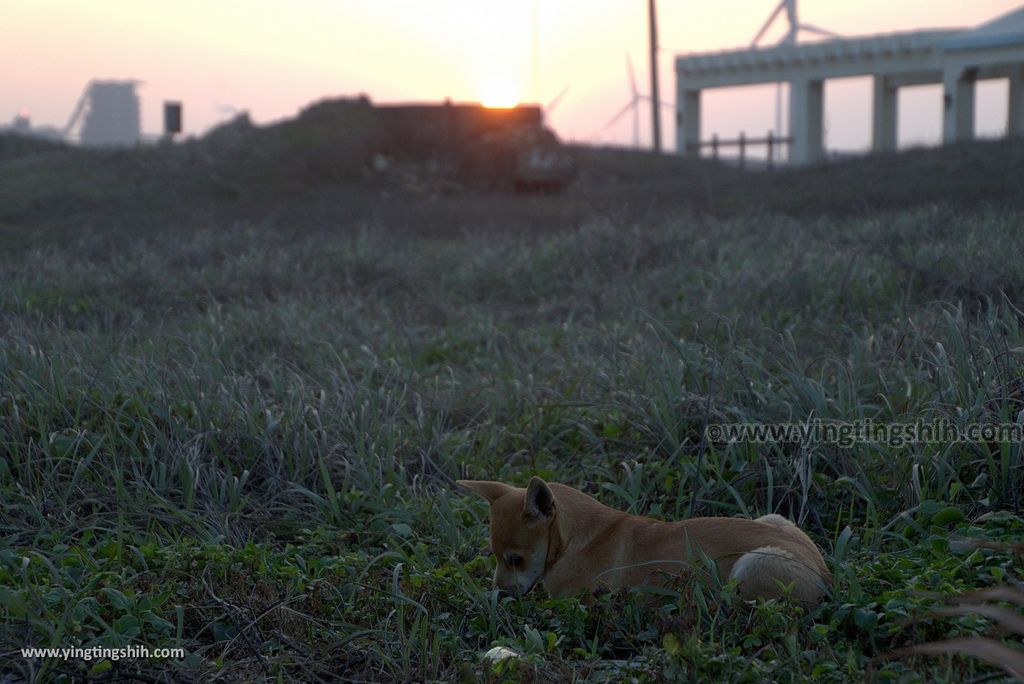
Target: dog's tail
{"x": 776, "y": 519}
{"x": 770, "y": 571}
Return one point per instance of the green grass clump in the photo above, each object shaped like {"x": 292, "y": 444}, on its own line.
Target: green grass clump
{"x": 241, "y": 437}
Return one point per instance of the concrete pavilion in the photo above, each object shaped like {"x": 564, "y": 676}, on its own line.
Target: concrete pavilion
{"x": 955, "y": 58}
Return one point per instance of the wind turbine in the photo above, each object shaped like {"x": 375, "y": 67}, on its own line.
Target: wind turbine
{"x": 632, "y": 105}
{"x": 556, "y": 101}
{"x": 789, "y": 7}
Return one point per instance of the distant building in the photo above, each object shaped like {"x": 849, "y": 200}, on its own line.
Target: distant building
{"x": 107, "y": 114}
{"x": 22, "y": 124}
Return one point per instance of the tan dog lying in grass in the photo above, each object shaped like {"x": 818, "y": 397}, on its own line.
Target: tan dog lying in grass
{"x": 560, "y": 536}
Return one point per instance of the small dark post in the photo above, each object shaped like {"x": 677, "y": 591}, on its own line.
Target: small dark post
{"x": 172, "y": 118}
{"x": 771, "y": 149}
{"x": 743, "y": 150}
{"x": 714, "y": 147}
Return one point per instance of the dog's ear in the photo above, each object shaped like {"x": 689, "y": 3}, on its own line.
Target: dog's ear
{"x": 540, "y": 502}
{"x": 492, "y": 491}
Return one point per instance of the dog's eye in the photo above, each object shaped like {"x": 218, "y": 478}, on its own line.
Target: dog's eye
{"x": 514, "y": 560}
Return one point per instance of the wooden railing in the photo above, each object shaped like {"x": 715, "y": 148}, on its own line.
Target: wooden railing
{"x": 771, "y": 141}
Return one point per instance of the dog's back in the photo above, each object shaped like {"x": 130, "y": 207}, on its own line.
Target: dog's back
{"x": 767, "y": 556}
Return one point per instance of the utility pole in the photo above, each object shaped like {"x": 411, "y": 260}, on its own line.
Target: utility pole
{"x": 535, "y": 51}
{"x": 655, "y": 99}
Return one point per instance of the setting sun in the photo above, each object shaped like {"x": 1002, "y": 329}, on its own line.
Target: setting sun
{"x": 499, "y": 94}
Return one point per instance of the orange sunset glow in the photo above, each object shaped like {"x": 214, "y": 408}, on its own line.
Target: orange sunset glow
{"x": 271, "y": 58}
{"x": 499, "y": 94}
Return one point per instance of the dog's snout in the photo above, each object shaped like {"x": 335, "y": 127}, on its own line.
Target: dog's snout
{"x": 513, "y": 590}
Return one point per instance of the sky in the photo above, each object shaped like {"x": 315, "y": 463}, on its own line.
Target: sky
{"x": 273, "y": 57}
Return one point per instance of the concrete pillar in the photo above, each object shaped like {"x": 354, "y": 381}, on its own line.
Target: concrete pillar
{"x": 885, "y": 114}
{"x": 806, "y": 99}
{"x": 1015, "y": 123}
{"x": 958, "y": 105}
{"x": 688, "y": 113}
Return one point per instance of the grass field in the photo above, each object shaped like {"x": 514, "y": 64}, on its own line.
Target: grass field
{"x": 236, "y": 430}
